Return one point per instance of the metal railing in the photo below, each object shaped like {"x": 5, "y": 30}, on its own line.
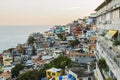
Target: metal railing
{"x": 109, "y": 52}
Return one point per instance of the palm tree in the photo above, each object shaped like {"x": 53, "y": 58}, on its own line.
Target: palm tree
{"x": 31, "y": 40}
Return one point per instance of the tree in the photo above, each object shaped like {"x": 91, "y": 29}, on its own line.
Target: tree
{"x": 60, "y": 62}
{"x": 34, "y": 51}
{"x": 103, "y": 34}
{"x": 116, "y": 43}
{"x": 30, "y": 40}
{"x": 102, "y": 64}
{"x": 62, "y": 37}
{"x": 15, "y": 71}
{"x": 31, "y": 75}
{"x": 74, "y": 43}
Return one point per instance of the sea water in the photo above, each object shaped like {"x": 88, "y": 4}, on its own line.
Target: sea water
{"x": 10, "y": 36}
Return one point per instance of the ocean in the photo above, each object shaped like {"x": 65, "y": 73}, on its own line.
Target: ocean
{"x": 10, "y": 36}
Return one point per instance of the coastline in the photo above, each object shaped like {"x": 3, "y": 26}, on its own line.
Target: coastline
{"x": 13, "y": 35}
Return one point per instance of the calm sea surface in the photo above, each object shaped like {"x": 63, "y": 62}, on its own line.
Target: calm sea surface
{"x": 10, "y": 36}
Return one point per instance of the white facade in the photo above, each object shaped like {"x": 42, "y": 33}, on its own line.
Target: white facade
{"x": 67, "y": 29}
{"x": 108, "y": 18}
{"x": 113, "y": 62}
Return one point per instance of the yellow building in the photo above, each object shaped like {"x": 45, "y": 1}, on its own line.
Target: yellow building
{"x": 53, "y": 73}
{"x": 7, "y": 59}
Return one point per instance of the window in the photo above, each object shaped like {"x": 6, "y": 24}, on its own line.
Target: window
{"x": 89, "y": 78}
{"x": 53, "y": 74}
{"x": 49, "y": 73}
{"x": 53, "y": 78}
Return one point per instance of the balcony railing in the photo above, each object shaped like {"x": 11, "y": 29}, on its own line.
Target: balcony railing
{"x": 109, "y": 52}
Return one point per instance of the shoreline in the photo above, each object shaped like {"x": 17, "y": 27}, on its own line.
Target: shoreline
{"x": 17, "y": 35}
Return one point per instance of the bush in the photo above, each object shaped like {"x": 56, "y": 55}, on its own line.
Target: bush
{"x": 102, "y": 64}
{"x": 74, "y": 43}
{"x": 61, "y": 37}
{"x": 108, "y": 78}
{"x": 15, "y": 71}
{"x": 103, "y": 34}
{"x": 60, "y": 62}
{"x": 116, "y": 43}
{"x": 30, "y": 75}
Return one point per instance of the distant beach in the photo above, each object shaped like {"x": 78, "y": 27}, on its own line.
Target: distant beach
{"x": 10, "y": 36}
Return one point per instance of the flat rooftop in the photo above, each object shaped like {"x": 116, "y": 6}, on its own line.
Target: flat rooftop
{"x": 81, "y": 72}
{"x": 54, "y": 70}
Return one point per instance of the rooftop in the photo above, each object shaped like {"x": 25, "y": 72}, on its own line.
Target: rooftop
{"x": 92, "y": 38}
{"x": 80, "y": 54}
{"x": 46, "y": 57}
{"x": 4, "y": 74}
{"x": 102, "y": 5}
{"x": 81, "y": 72}
{"x": 54, "y": 70}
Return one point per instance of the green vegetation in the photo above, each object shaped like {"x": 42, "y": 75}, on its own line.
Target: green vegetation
{"x": 103, "y": 34}
{"x": 31, "y": 40}
{"x": 116, "y": 43}
{"x": 30, "y": 75}
{"x": 108, "y": 78}
{"x": 74, "y": 43}
{"x": 34, "y": 51}
{"x": 1, "y": 70}
{"x": 102, "y": 64}
{"x": 61, "y": 37}
{"x": 15, "y": 71}
{"x": 60, "y": 62}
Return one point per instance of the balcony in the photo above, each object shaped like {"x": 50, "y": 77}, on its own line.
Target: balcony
{"x": 110, "y": 54}
{"x": 110, "y": 51}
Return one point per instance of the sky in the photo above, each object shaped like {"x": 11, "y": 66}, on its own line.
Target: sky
{"x": 45, "y": 12}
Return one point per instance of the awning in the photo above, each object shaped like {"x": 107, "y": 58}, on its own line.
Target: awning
{"x": 110, "y": 34}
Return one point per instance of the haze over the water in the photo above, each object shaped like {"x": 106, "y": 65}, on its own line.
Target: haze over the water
{"x": 44, "y": 12}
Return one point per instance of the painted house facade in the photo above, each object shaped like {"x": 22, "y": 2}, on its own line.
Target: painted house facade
{"x": 7, "y": 59}
{"x": 53, "y": 73}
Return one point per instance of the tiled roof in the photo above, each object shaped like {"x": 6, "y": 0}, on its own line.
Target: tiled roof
{"x": 91, "y": 46}
{"x": 4, "y": 74}
{"x": 92, "y": 38}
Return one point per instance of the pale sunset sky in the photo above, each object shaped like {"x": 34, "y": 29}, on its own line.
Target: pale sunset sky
{"x": 44, "y": 12}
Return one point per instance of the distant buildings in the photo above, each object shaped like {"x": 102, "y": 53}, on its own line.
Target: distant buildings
{"x": 75, "y": 40}
{"x": 7, "y": 59}
{"x": 75, "y": 73}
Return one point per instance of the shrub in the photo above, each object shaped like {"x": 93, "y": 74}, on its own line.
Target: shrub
{"x": 102, "y": 64}
{"x": 108, "y": 78}
{"x": 116, "y": 43}
{"x": 103, "y": 34}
